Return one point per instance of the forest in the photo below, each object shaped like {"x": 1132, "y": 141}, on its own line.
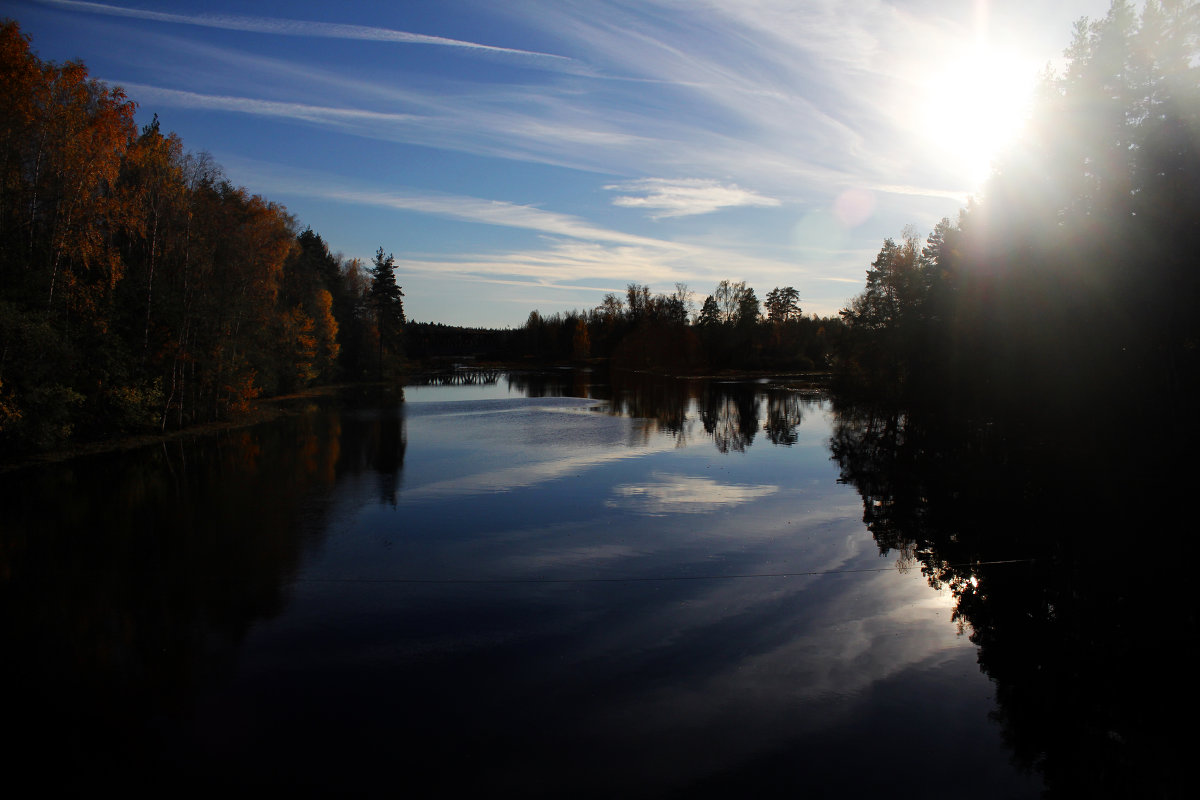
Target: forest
{"x": 731, "y": 331}
{"x": 140, "y": 289}
{"x": 1065, "y": 297}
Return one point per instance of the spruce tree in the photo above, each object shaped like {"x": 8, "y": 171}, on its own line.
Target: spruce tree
{"x": 387, "y": 306}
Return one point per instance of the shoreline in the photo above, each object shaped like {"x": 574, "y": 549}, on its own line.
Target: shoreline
{"x": 272, "y": 408}
{"x": 263, "y": 410}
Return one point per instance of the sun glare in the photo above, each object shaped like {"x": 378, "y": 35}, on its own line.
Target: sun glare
{"x": 973, "y": 108}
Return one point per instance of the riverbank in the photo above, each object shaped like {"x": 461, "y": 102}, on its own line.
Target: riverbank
{"x": 261, "y": 410}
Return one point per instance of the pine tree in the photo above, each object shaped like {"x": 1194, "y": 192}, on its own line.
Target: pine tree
{"x": 710, "y": 313}
{"x": 783, "y": 304}
{"x": 385, "y": 302}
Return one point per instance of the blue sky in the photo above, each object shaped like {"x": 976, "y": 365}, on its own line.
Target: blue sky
{"x": 536, "y": 155}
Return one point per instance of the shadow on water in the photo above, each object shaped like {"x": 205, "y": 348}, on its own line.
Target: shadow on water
{"x": 129, "y": 582}
{"x": 1057, "y": 567}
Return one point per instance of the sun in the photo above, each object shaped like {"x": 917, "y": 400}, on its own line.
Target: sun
{"x": 973, "y": 106}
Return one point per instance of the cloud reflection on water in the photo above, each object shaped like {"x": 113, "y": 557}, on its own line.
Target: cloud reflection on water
{"x": 681, "y": 494}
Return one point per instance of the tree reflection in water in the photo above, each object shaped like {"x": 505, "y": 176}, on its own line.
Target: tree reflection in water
{"x": 386, "y": 441}
{"x": 728, "y": 412}
{"x": 785, "y": 413}
{"x": 1047, "y": 557}
{"x": 113, "y": 623}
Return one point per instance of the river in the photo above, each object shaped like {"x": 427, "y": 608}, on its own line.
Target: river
{"x": 563, "y": 584}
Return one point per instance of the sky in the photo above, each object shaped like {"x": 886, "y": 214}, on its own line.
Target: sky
{"x": 538, "y": 154}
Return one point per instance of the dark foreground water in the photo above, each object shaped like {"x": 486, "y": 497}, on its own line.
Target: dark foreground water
{"x": 541, "y": 585}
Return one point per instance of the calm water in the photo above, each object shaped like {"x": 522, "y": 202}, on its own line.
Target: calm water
{"x": 546, "y": 585}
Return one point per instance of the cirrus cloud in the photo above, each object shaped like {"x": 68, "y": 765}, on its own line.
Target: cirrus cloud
{"x": 685, "y": 197}
{"x": 291, "y": 27}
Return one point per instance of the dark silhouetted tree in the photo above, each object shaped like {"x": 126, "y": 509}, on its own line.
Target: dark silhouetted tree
{"x": 387, "y": 307}
{"x": 783, "y": 305}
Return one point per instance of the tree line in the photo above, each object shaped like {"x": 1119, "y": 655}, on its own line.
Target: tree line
{"x": 662, "y": 332}
{"x": 140, "y": 289}
{"x": 731, "y": 329}
{"x": 1068, "y": 293}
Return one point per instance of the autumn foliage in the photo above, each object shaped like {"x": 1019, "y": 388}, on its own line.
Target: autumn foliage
{"x": 140, "y": 289}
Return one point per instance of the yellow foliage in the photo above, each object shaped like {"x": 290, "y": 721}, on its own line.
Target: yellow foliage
{"x": 9, "y": 412}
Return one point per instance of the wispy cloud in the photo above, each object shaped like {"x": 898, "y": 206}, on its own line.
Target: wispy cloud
{"x": 922, "y": 191}
{"x": 495, "y": 212}
{"x": 751, "y": 123}
{"x": 796, "y": 100}
{"x": 582, "y": 272}
{"x": 788, "y": 146}
{"x": 291, "y": 27}
{"x": 259, "y": 107}
{"x": 684, "y": 197}
{"x": 572, "y": 254}
{"x": 575, "y": 267}
{"x": 309, "y": 183}
{"x": 509, "y": 125}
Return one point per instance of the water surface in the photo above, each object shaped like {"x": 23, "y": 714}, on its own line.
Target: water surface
{"x": 550, "y": 585}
